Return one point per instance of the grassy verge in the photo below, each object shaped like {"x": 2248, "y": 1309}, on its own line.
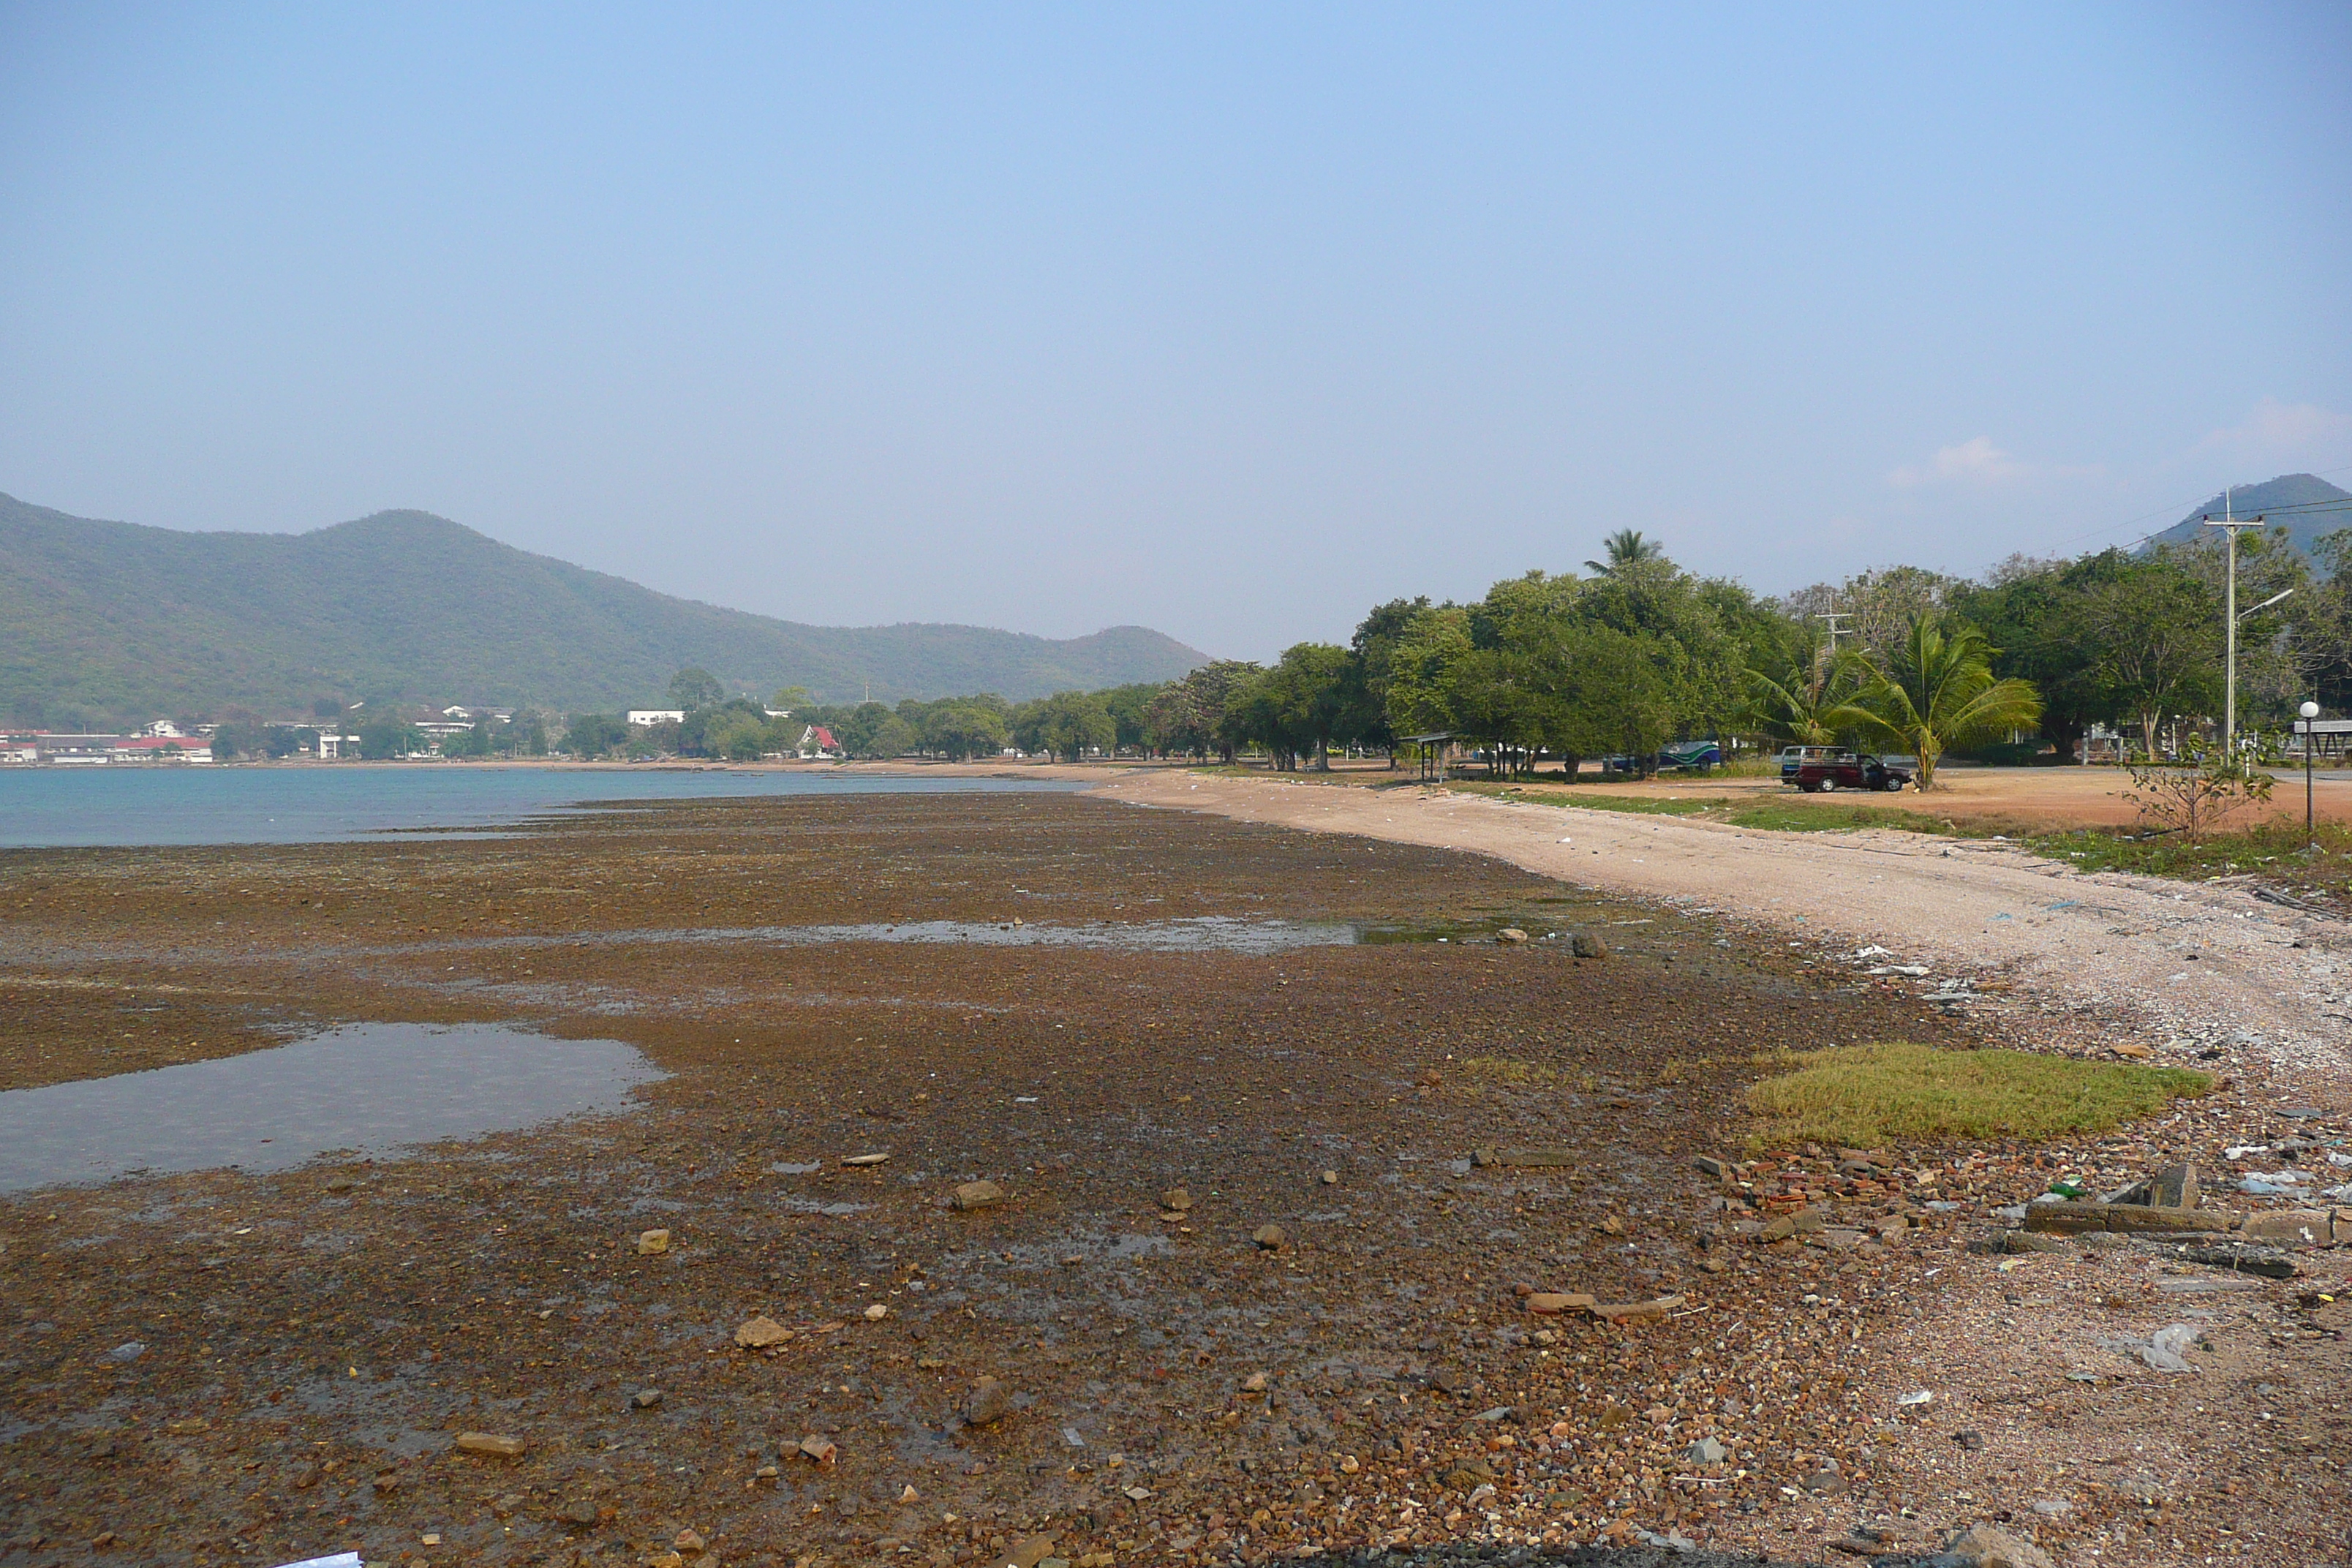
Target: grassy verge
{"x": 1863, "y": 1096}
{"x": 2278, "y": 855}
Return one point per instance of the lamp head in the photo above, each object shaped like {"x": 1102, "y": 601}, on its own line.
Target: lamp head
{"x": 2309, "y": 710}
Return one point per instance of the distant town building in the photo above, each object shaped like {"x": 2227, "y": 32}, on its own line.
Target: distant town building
{"x": 644, "y": 716}
{"x": 817, "y": 742}
{"x": 43, "y": 749}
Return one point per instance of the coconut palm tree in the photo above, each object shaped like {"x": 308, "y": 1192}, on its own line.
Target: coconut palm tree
{"x": 1624, "y": 548}
{"x": 1934, "y": 689}
{"x": 1797, "y": 704}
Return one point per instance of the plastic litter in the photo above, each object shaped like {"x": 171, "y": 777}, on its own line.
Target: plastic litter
{"x": 1920, "y": 1397}
{"x": 340, "y": 1560}
{"x": 2167, "y": 1348}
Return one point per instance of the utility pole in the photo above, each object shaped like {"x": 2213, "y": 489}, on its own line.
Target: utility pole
{"x": 2230, "y": 525}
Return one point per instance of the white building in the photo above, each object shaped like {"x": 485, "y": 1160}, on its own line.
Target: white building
{"x": 644, "y": 716}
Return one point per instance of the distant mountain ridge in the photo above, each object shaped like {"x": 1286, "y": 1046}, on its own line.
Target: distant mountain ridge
{"x": 2306, "y": 505}
{"x": 119, "y": 621}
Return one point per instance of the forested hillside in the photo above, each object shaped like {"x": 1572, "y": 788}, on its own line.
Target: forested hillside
{"x": 104, "y": 621}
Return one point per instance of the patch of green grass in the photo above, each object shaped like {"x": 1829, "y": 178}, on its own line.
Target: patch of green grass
{"x": 1790, "y": 816}
{"x": 1863, "y": 1096}
{"x": 2276, "y": 853}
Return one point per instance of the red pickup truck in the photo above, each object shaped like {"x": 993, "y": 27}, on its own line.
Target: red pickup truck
{"x": 1845, "y": 770}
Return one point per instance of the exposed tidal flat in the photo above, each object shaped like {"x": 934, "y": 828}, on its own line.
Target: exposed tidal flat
{"x": 258, "y": 1366}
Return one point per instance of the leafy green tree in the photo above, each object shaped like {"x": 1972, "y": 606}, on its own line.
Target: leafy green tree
{"x": 962, "y": 729}
{"x": 389, "y": 736}
{"x": 1934, "y": 690}
{"x": 1188, "y": 715}
{"x": 1067, "y": 725}
{"x": 1130, "y": 707}
{"x": 691, "y": 689}
{"x": 1296, "y": 708}
{"x": 596, "y": 734}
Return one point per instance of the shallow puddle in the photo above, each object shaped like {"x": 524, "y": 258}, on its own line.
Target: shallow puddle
{"x": 370, "y": 1088}
{"x": 1208, "y": 933}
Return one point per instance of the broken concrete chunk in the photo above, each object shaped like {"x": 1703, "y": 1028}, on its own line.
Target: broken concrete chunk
{"x": 644, "y": 1398}
{"x": 1982, "y": 1546}
{"x": 1552, "y": 1303}
{"x": 1709, "y": 1166}
{"x": 1803, "y": 1221}
{"x": 819, "y": 1451}
{"x": 492, "y": 1443}
{"x": 1625, "y": 1311}
{"x": 2071, "y": 1216}
{"x": 761, "y": 1333}
{"x": 978, "y": 1196}
{"x": 2308, "y": 1227}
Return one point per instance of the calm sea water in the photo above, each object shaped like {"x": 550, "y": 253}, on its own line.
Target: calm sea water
{"x": 46, "y": 807}
{"x": 372, "y": 1089}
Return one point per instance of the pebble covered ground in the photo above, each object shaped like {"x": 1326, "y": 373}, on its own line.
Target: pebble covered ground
{"x": 1237, "y": 1287}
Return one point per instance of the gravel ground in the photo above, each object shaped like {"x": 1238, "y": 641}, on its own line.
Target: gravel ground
{"x": 223, "y": 1368}
{"x": 2183, "y": 967}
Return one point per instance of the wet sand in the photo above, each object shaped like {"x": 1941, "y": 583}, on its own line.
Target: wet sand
{"x": 309, "y": 1344}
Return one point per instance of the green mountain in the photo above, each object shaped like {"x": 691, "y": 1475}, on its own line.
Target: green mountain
{"x": 2306, "y": 505}
{"x": 113, "y": 621}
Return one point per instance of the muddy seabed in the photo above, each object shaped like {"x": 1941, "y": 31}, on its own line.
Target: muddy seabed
{"x": 222, "y": 1367}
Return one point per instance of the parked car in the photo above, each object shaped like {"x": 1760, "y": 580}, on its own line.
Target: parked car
{"x": 1846, "y": 770}
{"x": 1794, "y": 757}
{"x": 1699, "y": 754}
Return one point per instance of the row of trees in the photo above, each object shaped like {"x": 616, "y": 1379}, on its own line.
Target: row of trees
{"x": 1636, "y": 652}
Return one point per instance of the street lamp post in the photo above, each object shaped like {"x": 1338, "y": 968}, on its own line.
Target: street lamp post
{"x": 2310, "y": 710}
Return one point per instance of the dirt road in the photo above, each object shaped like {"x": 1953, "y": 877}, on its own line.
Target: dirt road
{"x": 2190, "y": 969}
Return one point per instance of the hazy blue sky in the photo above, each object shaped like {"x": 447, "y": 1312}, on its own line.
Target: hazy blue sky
{"x": 1231, "y": 321}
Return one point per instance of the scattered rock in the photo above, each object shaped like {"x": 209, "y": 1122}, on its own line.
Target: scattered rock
{"x": 1176, "y": 1198}
{"x": 1254, "y": 1383}
{"x": 819, "y": 1451}
{"x": 1330, "y": 1178}
{"x": 1705, "y": 1452}
{"x": 1626, "y": 1311}
{"x": 987, "y": 1404}
{"x": 1268, "y": 1237}
{"x": 1709, "y": 1166}
{"x": 1584, "y": 945}
{"x": 1552, "y": 1303}
{"x": 876, "y": 1312}
{"x": 880, "y": 1157}
{"x": 1465, "y": 1474}
{"x": 1803, "y": 1221}
{"x": 495, "y": 1444}
{"x": 645, "y": 1399}
{"x": 762, "y": 1333}
{"x": 1969, "y": 1442}
{"x": 2017, "y": 1241}
{"x": 1510, "y": 935}
{"x": 1031, "y": 1552}
{"x": 978, "y": 1196}
{"x": 652, "y": 1241}
{"x": 689, "y": 1540}
{"x": 1982, "y": 1546}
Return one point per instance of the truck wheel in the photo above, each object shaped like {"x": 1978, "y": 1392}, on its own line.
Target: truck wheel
{"x": 1828, "y": 785}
